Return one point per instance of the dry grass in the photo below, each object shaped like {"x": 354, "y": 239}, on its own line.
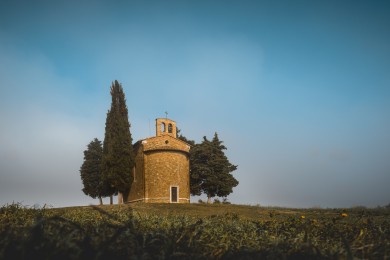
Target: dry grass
{"x": 188, "y": 231}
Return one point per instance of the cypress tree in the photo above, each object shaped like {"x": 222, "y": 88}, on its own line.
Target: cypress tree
{"x": 91, "y": 173}
{"x": 210, "y": 169}
{"x": 223, "y": 168}
{"x": 118, "y": 156}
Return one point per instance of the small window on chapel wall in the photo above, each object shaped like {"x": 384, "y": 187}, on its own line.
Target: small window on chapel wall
{"x": 162, "y": 127}
{"x": 170, "y": 128}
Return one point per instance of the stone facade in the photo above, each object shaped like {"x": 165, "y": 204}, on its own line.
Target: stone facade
{"x": 161, "y": 171}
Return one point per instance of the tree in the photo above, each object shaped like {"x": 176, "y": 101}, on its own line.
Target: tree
{"x": 118, "y": 155}
{"x": 210, "y": 169}
{"x": 91, "y": 173}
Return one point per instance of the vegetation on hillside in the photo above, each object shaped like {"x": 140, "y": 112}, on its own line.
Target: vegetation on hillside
{"x": 193, "y": 231}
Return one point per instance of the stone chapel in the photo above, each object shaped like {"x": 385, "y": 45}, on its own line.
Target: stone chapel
{"x": 162, "y": 168}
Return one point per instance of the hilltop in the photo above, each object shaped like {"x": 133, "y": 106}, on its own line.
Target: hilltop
{"x": 188, "y": 231}
{"x": 248, "y": 212}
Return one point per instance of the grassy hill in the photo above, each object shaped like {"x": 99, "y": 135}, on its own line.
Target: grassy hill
{"x": 162, "y": 231}
{"x": 243, "y": 211}
{"x": 203, "y": 210}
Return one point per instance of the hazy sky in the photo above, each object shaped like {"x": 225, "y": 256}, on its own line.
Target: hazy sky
{"x": 299, "y": 91}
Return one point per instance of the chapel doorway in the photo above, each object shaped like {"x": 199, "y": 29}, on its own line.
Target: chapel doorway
{"x": 174, "y": 194}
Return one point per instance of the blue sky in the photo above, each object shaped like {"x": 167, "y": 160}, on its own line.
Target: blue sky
{"x": 299, "y": 92}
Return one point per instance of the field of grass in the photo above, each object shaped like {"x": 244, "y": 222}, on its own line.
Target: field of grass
{"x": 193, "y": 231}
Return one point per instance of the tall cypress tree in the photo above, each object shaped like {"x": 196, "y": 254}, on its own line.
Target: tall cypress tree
{"x": 118, "y": 156}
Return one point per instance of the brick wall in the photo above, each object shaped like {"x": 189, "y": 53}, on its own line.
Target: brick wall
{"x": 161, "y": 162}
{"x": 137, "y": 190}
{"x": 164, "y": 169}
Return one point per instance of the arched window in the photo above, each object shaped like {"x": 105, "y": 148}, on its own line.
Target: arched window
{"x": 170, "y": 128}
{"x": 162, "y": 127}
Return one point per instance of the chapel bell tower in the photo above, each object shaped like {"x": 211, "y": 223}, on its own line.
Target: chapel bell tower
{"x": 165, "y": 126}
